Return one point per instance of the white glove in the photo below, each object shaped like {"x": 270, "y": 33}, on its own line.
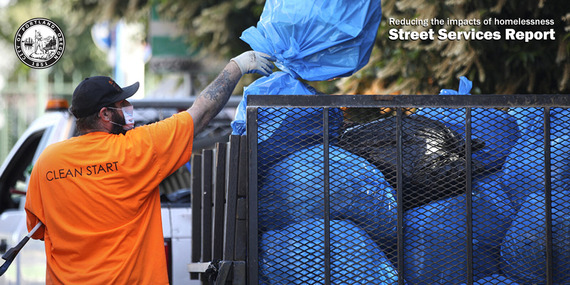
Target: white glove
{"x": 254, "y": 62}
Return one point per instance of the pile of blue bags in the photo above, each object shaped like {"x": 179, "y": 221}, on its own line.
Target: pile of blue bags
{"x": 292, "y": 191}
{"x": 322, "y": 40}
{"x": 435, "y": 239}
{"x": 508, "y": 203}
{"x": 524, "y": 247}
{"x": 295, "y": 254}
{"x": 314, "y": 41}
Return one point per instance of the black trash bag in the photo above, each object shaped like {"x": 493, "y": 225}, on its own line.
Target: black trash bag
{"x": 433, "y": 155}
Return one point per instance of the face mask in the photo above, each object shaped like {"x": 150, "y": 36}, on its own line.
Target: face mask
{"x": 128, "y": 114}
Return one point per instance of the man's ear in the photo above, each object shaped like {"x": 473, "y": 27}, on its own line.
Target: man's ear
{"x": 105, "y": 114}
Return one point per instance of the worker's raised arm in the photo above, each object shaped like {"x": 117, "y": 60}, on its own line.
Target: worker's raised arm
{"x": 212, "y": 99}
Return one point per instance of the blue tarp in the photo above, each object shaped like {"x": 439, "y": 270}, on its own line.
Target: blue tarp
{"x": 296, "y": 255}
{"x": 293, "y": 190}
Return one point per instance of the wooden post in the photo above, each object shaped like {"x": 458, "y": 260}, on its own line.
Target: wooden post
{"x": 219, "y": 198}
{"x": 196, "y": 177}
{"x": 207, "y": 156}
{"x": 231, "y": 199}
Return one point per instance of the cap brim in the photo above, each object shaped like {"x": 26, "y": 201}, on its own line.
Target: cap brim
{"x": 128, "y": 91}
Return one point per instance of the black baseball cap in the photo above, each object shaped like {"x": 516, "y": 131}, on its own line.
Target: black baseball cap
{"x": 94, "y": 93}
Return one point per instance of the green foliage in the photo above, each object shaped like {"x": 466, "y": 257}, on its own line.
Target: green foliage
{"x": 82, "y": 14}
{"x": 501, "y": 67}
{"x": 400, "y": 67}
{"x": 215, "y": 25}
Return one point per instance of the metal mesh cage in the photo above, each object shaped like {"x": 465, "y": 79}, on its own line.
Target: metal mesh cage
{"x": 416, "y": 195}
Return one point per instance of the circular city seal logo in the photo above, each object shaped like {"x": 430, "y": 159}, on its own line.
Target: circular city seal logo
{"x": 39, "y": 43}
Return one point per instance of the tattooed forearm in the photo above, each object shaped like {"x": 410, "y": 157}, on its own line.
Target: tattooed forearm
{"x": 220, "y": 86}
{"x": 212, "y": 99}
{"x": 219, "y": 91}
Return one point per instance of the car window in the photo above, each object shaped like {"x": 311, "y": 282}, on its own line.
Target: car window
{"x": 17, "y": 172}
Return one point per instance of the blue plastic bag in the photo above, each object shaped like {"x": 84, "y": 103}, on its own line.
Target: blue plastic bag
{"x": 465, "y": 86}
{"x": 282, "y": 131}
{"x": 531, "y": 122}
{"x": 523, "y": 172}
{"x": 435, "y": 241}
{"x": 525, "y": 166}
{"x": 317, "y": 40}
{"x": 493, "y": 210}
{"x": 278, "y": 83}
{"x": 560, "y": 122}
{"x": 296, "y": 255}
{"x": 524, "y": 248}
{"x": 293, "y": 190}
{"x": 494, "y": 279}
{"x": 560, "y": 168}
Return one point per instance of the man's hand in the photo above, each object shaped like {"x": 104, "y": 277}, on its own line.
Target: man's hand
{"x": 254, "y": 62}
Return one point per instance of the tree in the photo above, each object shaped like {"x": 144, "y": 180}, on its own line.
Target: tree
{"x": 495, "y": 66}
{"x": 79, "y": 56}
{"x": 213, "y": 24}
{"x": 412, "y": 67}
{"x": 406, "y": 67}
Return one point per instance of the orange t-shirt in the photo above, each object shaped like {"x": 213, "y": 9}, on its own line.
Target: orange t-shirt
{"x": 97, "y": 195}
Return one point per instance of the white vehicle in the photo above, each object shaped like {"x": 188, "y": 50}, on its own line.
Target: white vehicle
{"x": 58, "y": 124}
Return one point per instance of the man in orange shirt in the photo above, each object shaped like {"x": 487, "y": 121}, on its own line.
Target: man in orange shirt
{"x": 97, "y": 194}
